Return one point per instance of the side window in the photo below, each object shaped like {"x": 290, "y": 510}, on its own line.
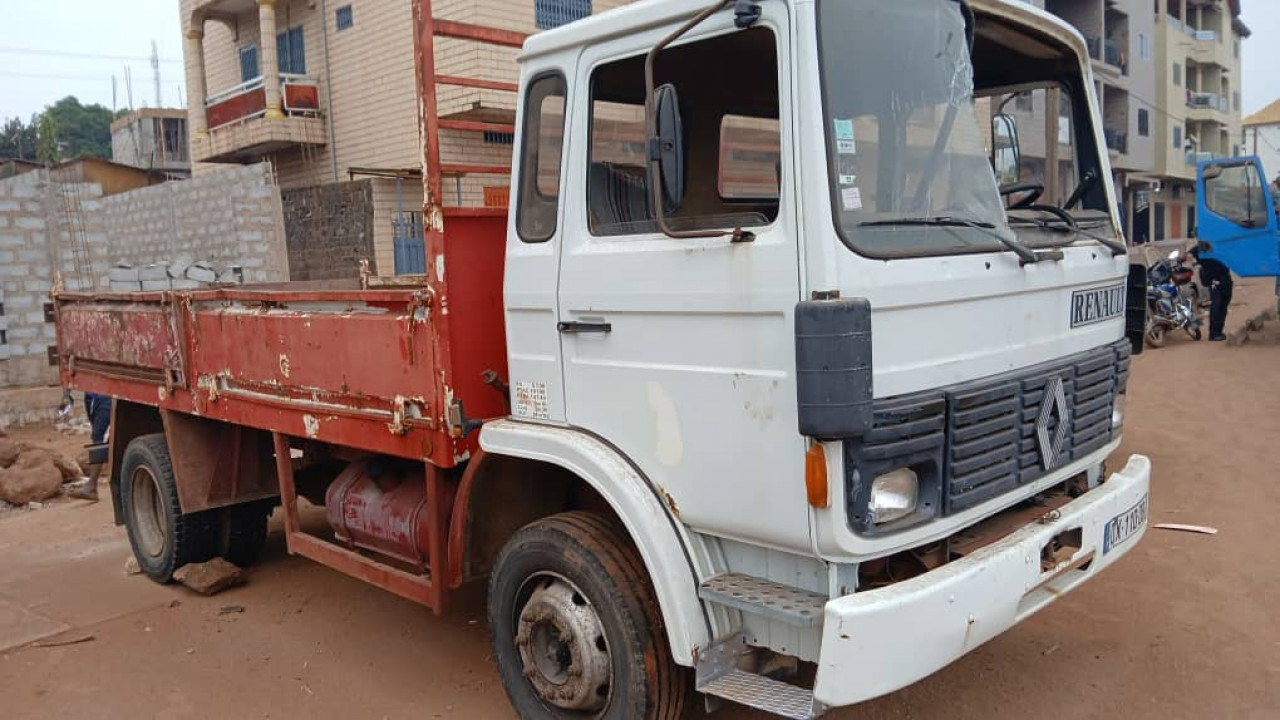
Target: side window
{"x": 540, "y": 158}
{"x": 1235, "y": 193}
{"x": 731, "y": 129}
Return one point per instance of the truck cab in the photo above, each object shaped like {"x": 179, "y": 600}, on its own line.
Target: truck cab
{"x": 840, "y": 280}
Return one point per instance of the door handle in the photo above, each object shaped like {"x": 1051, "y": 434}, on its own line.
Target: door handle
{"x": 582, "y": 328}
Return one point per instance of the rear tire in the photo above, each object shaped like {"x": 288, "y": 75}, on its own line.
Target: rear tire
{"x": 1156, "y": 336}
{"x": 242, "y": 532}
{"x": 575, "y": 625}
{"x": 163, "y": 539}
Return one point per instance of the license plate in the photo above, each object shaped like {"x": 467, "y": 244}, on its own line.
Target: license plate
{"x": 1123, "y": 526}
{"x": 1097, "y": 305}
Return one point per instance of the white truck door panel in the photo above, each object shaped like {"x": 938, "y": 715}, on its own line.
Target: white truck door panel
{"x": 694, "y": 378}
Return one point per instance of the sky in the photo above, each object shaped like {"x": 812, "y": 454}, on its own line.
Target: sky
{"x": 53, "y": 48}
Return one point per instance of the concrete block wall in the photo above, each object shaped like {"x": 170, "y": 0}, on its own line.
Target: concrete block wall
{"x": 232, "y": 217}
{"x": 27, "y": 259}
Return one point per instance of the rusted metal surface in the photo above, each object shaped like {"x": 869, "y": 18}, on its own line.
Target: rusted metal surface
{"x": 479, "y": 33}
{"x": 476, "y": 83}
{"x": 383, "y": 509}
{"x": 216, "y": 463}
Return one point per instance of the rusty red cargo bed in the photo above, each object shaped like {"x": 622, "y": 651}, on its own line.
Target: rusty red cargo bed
{"x": 398, "y": 369}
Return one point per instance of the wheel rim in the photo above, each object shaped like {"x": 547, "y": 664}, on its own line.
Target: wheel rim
{"x": 148, "y": 513}
{"x": 562, "y": 646}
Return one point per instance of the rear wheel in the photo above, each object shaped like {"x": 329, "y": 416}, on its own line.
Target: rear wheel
{"x": 1155, "y": 336}
{"x": 242, "y": 532}
{"x": 163, "y": 539}
{"x": 576, "y": 628}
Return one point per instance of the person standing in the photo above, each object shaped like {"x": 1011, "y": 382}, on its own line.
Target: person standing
{"x": 98, "y": 408}
{"x": 1217, "y": 277}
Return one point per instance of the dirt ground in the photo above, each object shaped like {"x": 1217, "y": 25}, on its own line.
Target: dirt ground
{"x": 1184, "y": 627}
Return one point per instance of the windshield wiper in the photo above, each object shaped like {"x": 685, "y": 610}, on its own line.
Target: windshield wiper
{"x": 1069, "y": 226}
{"x": 1026, "y": 255}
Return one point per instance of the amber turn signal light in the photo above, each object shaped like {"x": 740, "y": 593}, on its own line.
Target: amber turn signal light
{"x": 815, "y": 476}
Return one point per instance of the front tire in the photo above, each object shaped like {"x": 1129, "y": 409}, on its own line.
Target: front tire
{"x": 1155, "y": 336}
{"x": 163, "y": 539}
{"x": 575, "y": 625}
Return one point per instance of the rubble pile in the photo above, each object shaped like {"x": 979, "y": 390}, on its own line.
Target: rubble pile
{"x": 31, "y": 474}
{"x": 181, "y": 273}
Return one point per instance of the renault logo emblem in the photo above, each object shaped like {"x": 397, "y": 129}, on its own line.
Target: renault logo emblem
{"x": 1052, "y": 424}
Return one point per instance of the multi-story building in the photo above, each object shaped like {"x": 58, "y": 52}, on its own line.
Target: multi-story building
{"x": 1168, "y": 85}
{"x": 153, "y": 139}
{"x": 326, "y": 91}
{"x": 1198, "y": 48}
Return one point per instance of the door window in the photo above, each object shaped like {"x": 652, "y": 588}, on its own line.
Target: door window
{"x": 1235, "y": 193}
{"x": 731, "y": 129}
{"x": 540, "y": 157}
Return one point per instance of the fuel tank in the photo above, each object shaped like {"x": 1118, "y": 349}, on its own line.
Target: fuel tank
{"x": 379, "y": 505}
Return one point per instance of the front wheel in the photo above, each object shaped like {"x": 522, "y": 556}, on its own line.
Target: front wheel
{"x": 1195, "y": 333}
{"x": 1155, "y": 335}
{"x": 576, "y": 628}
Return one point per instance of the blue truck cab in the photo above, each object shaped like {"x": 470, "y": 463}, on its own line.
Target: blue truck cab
{"x": 1238, "y": 224}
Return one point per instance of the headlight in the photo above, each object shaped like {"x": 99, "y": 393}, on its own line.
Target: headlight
{"x": 894, "y": 495}
{"x": 1117, "y": 411}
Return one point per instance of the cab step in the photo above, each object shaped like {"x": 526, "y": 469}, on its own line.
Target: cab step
{"x": 765, "y": 597}
{"x": 719, "y": 676}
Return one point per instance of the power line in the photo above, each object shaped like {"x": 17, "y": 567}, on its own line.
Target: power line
{"x": 81, "y": 55}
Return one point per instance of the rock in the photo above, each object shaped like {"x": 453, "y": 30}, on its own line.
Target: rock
{"x": 211, "y": 577}
{"x": 158, "y": 271}
{"x": 122, "y": 273}
{"x": 153, "y": 285}
{"x": 32, "y": 456}
{"x": 22, "y": 484}
{"x": 131, "y": 566}
{"x": 9, "y": 451}
{"x": 178, "y": 266}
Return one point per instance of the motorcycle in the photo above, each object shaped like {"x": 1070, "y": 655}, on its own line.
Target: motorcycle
{"x": 1172, "y": 299}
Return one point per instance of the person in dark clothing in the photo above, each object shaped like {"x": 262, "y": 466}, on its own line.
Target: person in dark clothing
{"x": 98, "y": 408}
{"x": 1217, "y": 277}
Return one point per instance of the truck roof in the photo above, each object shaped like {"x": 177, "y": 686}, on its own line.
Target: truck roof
{"x": 646, "y": 14}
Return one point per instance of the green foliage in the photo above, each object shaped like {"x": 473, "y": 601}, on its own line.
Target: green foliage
{"x": 48, "y": 140}
{"x": 66, "y": 129}
{"x": 18, "y": 139}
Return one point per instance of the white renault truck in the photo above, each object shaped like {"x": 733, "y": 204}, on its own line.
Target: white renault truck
{"x": 846, "y": 316}
{"x": 790, "y": 375}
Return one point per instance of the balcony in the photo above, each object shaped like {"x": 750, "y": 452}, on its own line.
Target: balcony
{"x": 1114, "y": 54}
{"x": 1210, "y": 101}
{"x": 240, "y": 131}
{"x": 1117, "y": 140}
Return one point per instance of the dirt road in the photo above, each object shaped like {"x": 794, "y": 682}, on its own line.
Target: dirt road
{"x": 1185, "y": 627}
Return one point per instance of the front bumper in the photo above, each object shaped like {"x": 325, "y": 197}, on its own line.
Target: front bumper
{"x": 878, "y": 641}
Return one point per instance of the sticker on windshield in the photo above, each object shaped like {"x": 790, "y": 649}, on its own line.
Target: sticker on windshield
{"x": 852, "y": 197}
{"x": 848, "y": 179}
{"x": 846, "y": 144}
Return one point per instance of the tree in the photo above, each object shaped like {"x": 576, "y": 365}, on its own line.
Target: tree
{"x": 48, "y": 140}
{"x": 81, "y": 129}
{"x": 18, "y": 139}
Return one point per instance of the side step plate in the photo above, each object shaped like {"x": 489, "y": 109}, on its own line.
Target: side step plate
{"x": 718, "y": 676}
{"x": 764, "y": 597}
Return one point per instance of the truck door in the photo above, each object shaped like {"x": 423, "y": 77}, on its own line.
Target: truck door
{"x": 1237, "y": 216}
{"x": 680, "y": 352}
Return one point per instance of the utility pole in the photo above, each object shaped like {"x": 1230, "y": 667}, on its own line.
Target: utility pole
{"x": 155, "y": 70}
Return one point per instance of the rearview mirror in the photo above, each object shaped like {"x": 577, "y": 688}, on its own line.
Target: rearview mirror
{"x": 667, "y": 149}
{"x": 1212, "y": 172}
{"x": 1006, "y": 153}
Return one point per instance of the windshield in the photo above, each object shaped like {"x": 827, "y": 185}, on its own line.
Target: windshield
{"x": 904, "y": 140}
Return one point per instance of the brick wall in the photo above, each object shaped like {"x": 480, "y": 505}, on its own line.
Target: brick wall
{"x": 329, "y": 230}
{"x": 27, "y": 259}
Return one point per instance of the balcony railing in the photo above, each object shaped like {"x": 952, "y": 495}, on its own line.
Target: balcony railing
{"x": 300, "y": 96}
{"x": 1205, "y": 35}
{"x": 1177, "y": 24}
{"x": 1094, "y": 44}
{"x": 1115, "y": 55}
{"x": 1208, "y": 101}
{"x": 1195, "y": 157}
{"x": 1117, "y": 140}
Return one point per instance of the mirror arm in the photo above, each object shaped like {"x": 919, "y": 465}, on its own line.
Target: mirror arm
{"x": 651, "y": 130}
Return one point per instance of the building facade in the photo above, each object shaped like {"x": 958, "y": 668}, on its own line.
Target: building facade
{"x": 153, "y": 139}
{"x": 1262, "y": 138}
{"x": 326, "y": 91}
{"x": 1168, "y": 87}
